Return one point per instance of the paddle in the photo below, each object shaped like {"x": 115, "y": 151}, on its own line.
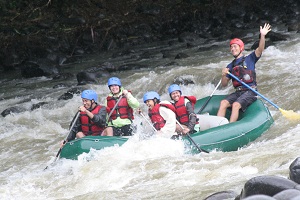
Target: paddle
{"x": 154, "y": 129}
{"x": 286, "y": 113}
{"x": 205, "y": 104}
{"x": 112, "y": 110}
{"x": 199, "y": 149}
{"x": 65, "y": 140}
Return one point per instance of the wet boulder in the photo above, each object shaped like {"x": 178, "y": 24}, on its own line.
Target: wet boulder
{"x": 84, "y": 78}
{"x": 11, "y": 110}
{"x": 294, "y": 174}
{"x": 266, "y": 185}
{"x": 222, "y": 195}
{"x": 287, "y": 194}
{"x": 259, "y": 197}
{"x": 38, "y": 105}
{"x": 183, "y": 81}
{"x": 32, "y": 69}
{"x": 181, "y": 55}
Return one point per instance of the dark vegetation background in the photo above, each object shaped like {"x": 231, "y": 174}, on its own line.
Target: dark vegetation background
{"x": 61, "y": 30}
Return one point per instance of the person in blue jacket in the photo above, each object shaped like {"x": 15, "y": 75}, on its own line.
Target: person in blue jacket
{"x": 242, "y": 67}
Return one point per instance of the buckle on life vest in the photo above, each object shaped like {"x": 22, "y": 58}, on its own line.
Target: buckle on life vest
{"x": 241, "y": 88}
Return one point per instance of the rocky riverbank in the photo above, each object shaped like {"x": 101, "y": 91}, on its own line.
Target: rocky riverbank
{"x": 267, "y": 187}
{"x": 40, "y": 37}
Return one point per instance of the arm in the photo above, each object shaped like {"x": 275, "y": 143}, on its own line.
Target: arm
{"x": 192, "y": 116}
{"x": 263, "y": 32}
{"x": 170, "y": 117}
{"x": 132, "y": 102}
{"x": 225, "y": 79}
{"x": 88, "y": 113}
{"x": 100, "y": 117}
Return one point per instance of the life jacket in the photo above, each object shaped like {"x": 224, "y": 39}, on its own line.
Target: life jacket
{"x": 157, "y": 120}
{"x": 240, "y": 70}
{"x": 181, "y": 112}
{"x": 88, "y": 127}
{"x": 123, "y": 110}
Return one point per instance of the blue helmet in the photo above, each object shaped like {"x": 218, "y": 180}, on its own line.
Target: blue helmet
{"x": 114, "y": 81}
{"x": 90, "y": 95}
{"x": 151, "y": 95}
{"x": 174, "y": 87}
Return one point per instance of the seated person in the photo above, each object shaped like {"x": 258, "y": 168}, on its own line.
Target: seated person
{"x": 92, "y": 117}
{"x": 184, "y": 109}
{"x": 161, "y": 113}
{"x": 121, "y": 103}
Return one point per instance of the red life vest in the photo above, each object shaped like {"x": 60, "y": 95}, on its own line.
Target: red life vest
{"x": 123, "y": 110}
{"x": 157, "y": 120}
{"x": 181, "y": 112}
{"x": 245, "y": 75}
{"x": 88, "y": 127}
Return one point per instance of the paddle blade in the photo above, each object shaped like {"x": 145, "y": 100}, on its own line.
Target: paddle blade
{"x": 291, "y": 115}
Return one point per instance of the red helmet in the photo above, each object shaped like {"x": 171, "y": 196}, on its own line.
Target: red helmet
{"x": 238, "y": 42}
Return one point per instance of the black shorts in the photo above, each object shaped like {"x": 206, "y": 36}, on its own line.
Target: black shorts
{"x": 245, "y": 98}
{"x": 124, "y": 130}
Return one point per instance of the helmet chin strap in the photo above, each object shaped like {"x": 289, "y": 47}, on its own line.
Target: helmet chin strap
{"x": 91, "y": 106}
{"x": 237, "y": 55}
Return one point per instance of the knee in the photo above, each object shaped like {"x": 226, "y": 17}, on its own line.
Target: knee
{"x": 224, "y": 104}
{"x": 236, "y": 106}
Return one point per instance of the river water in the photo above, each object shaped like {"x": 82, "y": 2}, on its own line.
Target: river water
{"x": 156, "y": 168}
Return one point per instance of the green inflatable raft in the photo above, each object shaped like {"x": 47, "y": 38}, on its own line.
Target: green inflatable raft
{"x": 228, "y": 137}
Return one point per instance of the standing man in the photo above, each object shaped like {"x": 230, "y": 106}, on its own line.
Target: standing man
{"x": 242, "y": 67}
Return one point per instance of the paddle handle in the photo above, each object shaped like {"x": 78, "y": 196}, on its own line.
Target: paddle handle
{"x": 154, "y": 129}
{"x": 205, "y": 104}
{"x": 65, "y": 140}
{"x": 262, "y": 96}
{"x": 199, "y": 149}
{"x": 112, "y": 110}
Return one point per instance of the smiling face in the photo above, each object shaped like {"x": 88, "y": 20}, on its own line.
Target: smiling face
{"x": 87, "y": 103}
{"x": 235, "y": 49}
{"x": 115, "y": 89}
{"x": 175, "y": 95}
{"x": 150, "y": 103}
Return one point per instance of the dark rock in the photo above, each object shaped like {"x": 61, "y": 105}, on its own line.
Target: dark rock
{"x": 31, "y": 69}
{"x": 171, "y": 64}
{"x": 209, "y": 48}
{"x": 259, "y": 197}
{"x": 287, "y": 194}
{"x": 75, "y": 90}
{"x": 131, "y": 67}
{"x": 107, "y": 66}
{"x": 221, "y": 195}
{"x": 11, "y": 110}
{"x": 188, "y": 37}
{"x": 37, "y": 105}
{"x": 66, "y": 96}
{"x": 182, "y": 81}
{"x": 63, "y": 76}
{"x": 167, "y": 54}
{"x": 294, "y": 174}
{"x": 266, "y": 185}
{"x": 181, "y": 55}
{"x": 84, "y": 78}
{"x": 277, "y": 36}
